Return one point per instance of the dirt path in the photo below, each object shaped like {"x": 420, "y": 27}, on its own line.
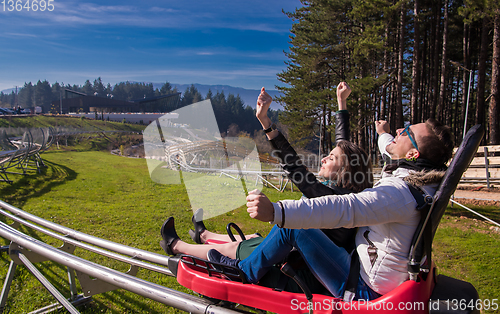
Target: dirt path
{"x": 478, "y": 195}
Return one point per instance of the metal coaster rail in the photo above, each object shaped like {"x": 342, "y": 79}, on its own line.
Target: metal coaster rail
{"x": 26, "y": 250}
{"x": 176, "y": 157}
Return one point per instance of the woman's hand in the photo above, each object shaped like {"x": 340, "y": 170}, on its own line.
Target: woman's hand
{"x": 263, "y": 103}
{"x": 343, "y": 91}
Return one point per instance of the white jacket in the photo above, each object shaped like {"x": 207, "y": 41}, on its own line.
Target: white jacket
{"x": 386, "y": 216}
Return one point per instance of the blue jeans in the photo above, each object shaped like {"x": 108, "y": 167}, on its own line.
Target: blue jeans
{"x": 329, "y": 263}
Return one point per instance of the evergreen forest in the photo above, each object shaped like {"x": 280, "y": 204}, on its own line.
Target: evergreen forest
{"x": 406, "y": 61}
{"x": 233, "y": 116}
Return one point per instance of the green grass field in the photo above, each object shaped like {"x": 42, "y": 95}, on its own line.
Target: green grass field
{"x": 114, "y": 198}
{"x": 40, "y": 121}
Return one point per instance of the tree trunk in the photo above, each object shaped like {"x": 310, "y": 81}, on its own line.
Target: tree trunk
{"x": 434, "y": 95}
{"x": 361, "y": 126}
{"x": 481, "y": 80}
{"x": 416, "y": 65}
{"x": 322, "y": 135}
{"x": 448, "y": 108}
{"x": 495, "y": 82}
{"x": 425, "y": 80}
{"x": 383, "y": 102}
{"x": 466, "y": 74}
{"x": 456, "y": 121}
{"x": 328, "y": 137}
{"x": 399, "y": 104}
{"x": 442, "y": 89}
{"x": 392, "y": 108}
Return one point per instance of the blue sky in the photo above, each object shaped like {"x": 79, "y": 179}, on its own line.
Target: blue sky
{"x": 237, "y": 43}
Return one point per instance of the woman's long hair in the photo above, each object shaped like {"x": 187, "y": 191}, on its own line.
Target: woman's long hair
{"x": 356, "y": 173}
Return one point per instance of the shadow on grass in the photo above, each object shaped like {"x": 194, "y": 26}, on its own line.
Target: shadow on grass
{"x": 36, "y": 184}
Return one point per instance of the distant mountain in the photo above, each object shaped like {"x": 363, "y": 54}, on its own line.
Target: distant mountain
{"x": 249, "y": 96}
{"x": 9, "y": 90}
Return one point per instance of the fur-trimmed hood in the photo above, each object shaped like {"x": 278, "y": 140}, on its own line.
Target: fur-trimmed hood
{"x": 421, "y": 178}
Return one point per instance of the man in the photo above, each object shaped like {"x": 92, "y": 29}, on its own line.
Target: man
{"x": 385, "y": 214}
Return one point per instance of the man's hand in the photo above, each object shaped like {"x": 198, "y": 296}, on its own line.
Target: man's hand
{"x": 259, "y": 206}
{"x": 343, "y": 91}
{"x": 263, "y": 103}
{"x": 382, "y": 126}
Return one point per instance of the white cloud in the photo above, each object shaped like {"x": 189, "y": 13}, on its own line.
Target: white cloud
{"x": 159, "y": 9}
{"x": 209, "y": 51}
{"x": 20, "y": 35}
{"x": 94, "y": 8}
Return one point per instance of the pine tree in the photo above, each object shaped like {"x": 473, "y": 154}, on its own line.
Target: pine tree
{"x": 98, "y": 88}
{"x": 209, "y": 94}
{"x": 191, "y": 96}
{"x": 109, "y": 91}
{"x": 316, "y": 62}
{"x": 25, "y": 95}
{"x": 87, "y": 88}
{"x": 494, "y": 112}
{"x": 332, "y": 41}
{"x": 43, "y": 95}
{"x": 166, "y": 89}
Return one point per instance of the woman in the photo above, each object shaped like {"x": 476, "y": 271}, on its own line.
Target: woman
{"x": 345, "y": 170}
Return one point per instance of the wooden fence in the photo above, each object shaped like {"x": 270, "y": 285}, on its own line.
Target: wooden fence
{"x": 485, "y": 167}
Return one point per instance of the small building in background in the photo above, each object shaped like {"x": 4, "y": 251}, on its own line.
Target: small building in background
{"x": 76, "y": 102}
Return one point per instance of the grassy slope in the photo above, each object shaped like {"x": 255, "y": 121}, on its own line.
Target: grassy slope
{"x": 63, "y": 121}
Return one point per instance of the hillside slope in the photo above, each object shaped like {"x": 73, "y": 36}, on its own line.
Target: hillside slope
{"x": 44, "y": 121}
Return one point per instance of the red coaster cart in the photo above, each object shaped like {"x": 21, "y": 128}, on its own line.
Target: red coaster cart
{"x": 424, "y": 292}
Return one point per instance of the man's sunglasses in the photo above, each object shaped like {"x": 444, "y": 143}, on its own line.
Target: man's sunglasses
{"x": 408, "y": 132}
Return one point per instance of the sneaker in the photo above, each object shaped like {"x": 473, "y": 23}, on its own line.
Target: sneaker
{"x": 215, "y": 256}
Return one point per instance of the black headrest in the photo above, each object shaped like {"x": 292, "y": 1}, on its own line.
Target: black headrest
{"x": 459, "y": 164}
